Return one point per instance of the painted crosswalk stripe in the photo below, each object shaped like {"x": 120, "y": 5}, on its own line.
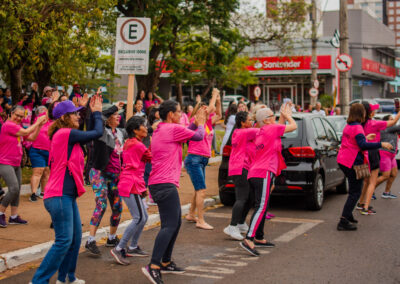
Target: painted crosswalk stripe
{"x": 202, "y": 275}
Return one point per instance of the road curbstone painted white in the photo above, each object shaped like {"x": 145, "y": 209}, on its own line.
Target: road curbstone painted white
{"x": 15, "y": 258}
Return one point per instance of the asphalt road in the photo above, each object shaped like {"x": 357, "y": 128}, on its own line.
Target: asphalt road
{"x": 309, "y": 249}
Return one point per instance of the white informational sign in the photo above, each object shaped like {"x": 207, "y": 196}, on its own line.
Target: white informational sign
{"x": 313, "y": 92}
{"x": 316, "y": 84}
{"x": 257, "y": 91}
{"x": 335, "y": 41}
{"x": 132, "y": 46}
{"x": 344, "y": 62}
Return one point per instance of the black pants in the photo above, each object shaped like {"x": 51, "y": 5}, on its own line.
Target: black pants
{"x": 355, "y": 188}
{"x": 262, "y": 191}
{"x": 167, "y": 198}
{"x": 243, "y": 201}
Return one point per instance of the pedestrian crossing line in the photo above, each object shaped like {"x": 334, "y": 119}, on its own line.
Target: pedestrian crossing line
{"x": 221, "y": 254}
{"x": 202, "y": 275}
{"x": 261, "y": 251}
{"x": 216, "y": 270}
{"x": 294, "y": 233}
{"x": 275, "y": 219}
{"x": 227, "y": 262}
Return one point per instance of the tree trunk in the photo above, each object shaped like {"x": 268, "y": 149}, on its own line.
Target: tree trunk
{"x": 43, "y": 77}
{"x": 208, "y": 88}
{"x": 179, "y": 94}
{"x": 16, "y": 83}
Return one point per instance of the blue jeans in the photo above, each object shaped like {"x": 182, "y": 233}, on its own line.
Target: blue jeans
{"x": 63, "y": 254}
{"x": 196, "y": 167}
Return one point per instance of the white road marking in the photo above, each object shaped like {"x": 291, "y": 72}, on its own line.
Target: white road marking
{"x": 202, "y": 275}
{"x": 216, "y": 270}
{"x": 226, "y": 262}
{"x": 299, "y": 230}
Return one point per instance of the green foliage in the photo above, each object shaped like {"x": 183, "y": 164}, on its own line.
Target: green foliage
{"x": 326, "y": 100}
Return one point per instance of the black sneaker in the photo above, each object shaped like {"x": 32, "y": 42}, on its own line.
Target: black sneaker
{"x": 172, "y": 268}
{"x": 120, "y": 256}
{"x": 136, "y": 252}
{"x": 17, "y": 221}
{"x": 154, "y": 275}
{"x": 33, "y": 197}
{"x": 352, "y": 220}
{"x": 3, "y": 223}
{"x": 112, "y": 243}
{"x": 263, "y": 245}
{"x": 250, "y": 250}
{"x": 345, "y": 225}
{"x": 92, "y": 248}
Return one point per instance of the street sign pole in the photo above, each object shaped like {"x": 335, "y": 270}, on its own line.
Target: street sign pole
{"x": 131, "y": 94}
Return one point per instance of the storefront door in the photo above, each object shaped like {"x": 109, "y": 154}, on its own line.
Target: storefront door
{"x": 276, "y": 94}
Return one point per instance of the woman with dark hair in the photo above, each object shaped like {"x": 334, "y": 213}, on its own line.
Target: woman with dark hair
{"x": 352, "y": 152}
{"x": 132, "y": 189}
{"x": 166, "y": 148}
{"x": 239, "y": 164}
{"x": 152, "y": 100}
{"x": 29, "y": 103}
{"x": 11, "y": 137}
{"x": 229, "y": 124}
{"x": 138, "y": 109}
{"x": 64, "y": 186}
{"x": 372, "y": 126}
{"x": 106, "y": 160}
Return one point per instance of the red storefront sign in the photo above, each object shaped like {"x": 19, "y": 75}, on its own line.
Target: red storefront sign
{"x": 378, "y": 68}
{"x": 289, "y": 63}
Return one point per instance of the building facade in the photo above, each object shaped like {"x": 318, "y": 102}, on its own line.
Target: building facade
{"x": 373, "y": 7}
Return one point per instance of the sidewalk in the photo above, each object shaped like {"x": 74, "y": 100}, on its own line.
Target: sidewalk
{"x": 38, "y": 230}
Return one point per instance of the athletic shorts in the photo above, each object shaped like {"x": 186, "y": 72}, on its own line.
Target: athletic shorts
{"x": 374, "y": 159}
{"x": 196, "y": 167}
{"x": 388, "y": 161}
{"x": 39, "y": 158}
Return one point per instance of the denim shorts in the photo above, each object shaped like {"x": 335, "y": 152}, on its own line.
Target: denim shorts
{"x": 196, "y": 167}
{"x": 39, "y": 158}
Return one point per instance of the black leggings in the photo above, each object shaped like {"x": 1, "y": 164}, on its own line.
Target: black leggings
{"x": 167, "y": 198}
{"x": 244, "y": 199}
{"x": 355, "y": 188}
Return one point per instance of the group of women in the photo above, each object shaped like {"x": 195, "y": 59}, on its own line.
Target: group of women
{"x": 368, "y": 147}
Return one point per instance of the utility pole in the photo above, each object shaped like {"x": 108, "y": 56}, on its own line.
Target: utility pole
{"x": 344, "y": 48}
{"x": 314, "y": 40}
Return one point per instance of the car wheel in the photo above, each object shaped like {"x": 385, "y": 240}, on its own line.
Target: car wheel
{"x": 316, "y": 198}
{"x": 227, "y": 198}
{"x": 343, "y": 188}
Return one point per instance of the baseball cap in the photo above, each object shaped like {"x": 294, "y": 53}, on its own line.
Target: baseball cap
{"x": 47, "y": 88}
{"x": 64, "y": 108}
{"x": 374, "y": 106}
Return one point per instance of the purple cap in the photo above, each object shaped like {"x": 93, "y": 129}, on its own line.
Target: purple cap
{"x": 64, "y": 108}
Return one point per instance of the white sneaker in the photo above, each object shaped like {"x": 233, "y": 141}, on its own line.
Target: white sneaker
{"x": 243, "y": 227}
{"x": 77, "y": 281}
{"x": 233, "y": 232}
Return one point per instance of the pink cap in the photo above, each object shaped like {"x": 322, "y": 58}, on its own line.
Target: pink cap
{"x": 374, "y": 106}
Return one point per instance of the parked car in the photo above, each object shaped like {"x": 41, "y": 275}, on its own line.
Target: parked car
{"x": 227, "y": 99}
{"x": 338, "y": 122}
{"x": 371, "y": 101}
{"x": 387, "y": 105}
{"x": 380, "y": 116}
{"x": 310, "y": 154}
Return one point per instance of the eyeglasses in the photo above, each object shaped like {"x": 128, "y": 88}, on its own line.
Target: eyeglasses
{"x": 19, "y": 116}
{"x": 272, "y": 115}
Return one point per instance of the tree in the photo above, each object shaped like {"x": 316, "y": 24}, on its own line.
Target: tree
{"x": 51, "y": 40}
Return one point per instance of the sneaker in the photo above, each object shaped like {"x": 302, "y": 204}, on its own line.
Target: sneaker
{"x": 250, "y": 250}
{"x": 373, "y": 197}
{"x": 120, "y": 256}
{"x": 92, "y": 248}
{"x": 136, "y": 252}
{"x": 172, "y": 268}
{"x": 243, "y": 228}
{"x": 263, "y": 245}
{"x": 352, "y": 220}
{"x": 346, "y": 225}
{"x": 17, "y": 221}
{"x": 112, "y": 243}
{"x": 154, "y": 275}
{"x": 3, "y": 223}
{"x": 388, "y": 195}
{"x": 151, "y": 202}
{"x": 33, "y": 197}
{"x": 40, "y": 195}
{"x": 233, "y": 232}
{"x": 76, "y": 281}
{"x": 359, "y": 206}
{"x": 370, "y": 211}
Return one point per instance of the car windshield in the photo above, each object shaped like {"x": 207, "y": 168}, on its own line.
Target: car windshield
{"x": 338, "y": 123}
{"x": 294, "y": 134}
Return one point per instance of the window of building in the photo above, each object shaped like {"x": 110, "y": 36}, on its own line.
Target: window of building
{"x": 391, "y": 4}
{"x": 378, "y": 4}
{"x": 398, "y": 11}
{"x": 391, "y": 27}
{"x": 357, "y": 90}
{"x": 398, "y": 41}
{"x": 397, "y": 27}
{"x": 398, "y": 34}
{"x": 391, "y": 12}
{"x": 397, "y": 4}
{"x": 391, "y": 19}
{"x": 397, "y": 19}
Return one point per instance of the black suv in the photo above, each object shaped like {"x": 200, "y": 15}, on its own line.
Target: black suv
{"x": 310, "y": 154}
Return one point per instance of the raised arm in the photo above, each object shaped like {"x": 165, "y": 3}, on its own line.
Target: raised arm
{"x": 34, "y": 127}
{"x": 390, "y": 123}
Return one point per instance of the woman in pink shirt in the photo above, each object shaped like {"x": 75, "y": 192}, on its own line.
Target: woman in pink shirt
{"x": 11, "y": 137}
{"x": 132, "y": 189}
{"x": 166, "y": 149}
{"x": 39, "y": 155}
{"x": 239, "y": 163}
{"x": 268, "y": 163}
{"x": 372, "y": 126}
{"x": 353, "y": 152}
{"x": 152, "y": 100}
{"x": 197, "y": 159}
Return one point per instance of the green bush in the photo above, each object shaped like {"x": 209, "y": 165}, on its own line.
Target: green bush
{"x": 326, "y": 100}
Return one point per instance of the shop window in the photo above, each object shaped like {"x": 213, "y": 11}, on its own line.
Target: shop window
{"x": 357, "y": 90}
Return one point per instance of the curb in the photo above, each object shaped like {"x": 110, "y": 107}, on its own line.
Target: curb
{"x": 15, "y": 258}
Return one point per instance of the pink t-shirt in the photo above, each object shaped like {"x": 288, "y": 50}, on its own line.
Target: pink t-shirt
{"x": 241, "y": 140}
{"x": 349, "y": 148}
{"x": 148, "y": 104}
{"x": 47, "y": 100}
{"x": 375, "y": 126}
{"x": 166, "y": 148}
{"x": 10, "y": 144}
{"x": 184, "y": 120}
{"x": 268, "y": 151}
{"x": 203, "y": 147}
{"x": 42, "y": 141}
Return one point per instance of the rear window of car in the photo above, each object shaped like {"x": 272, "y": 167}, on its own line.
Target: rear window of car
{"x": 338, "y": 123}
{"x": 297, "y": 133}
